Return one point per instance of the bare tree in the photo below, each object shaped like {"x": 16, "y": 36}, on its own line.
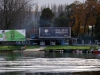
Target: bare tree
{"x": 14, "y": 13}
{"x": 54, "y": 9}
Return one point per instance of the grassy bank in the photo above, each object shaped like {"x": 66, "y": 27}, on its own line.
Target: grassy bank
{"x": 67, "y": 47}
{"x": 16, "y": 47}
{"x": 47, "y": 48}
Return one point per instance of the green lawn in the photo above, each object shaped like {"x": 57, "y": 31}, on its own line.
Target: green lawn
{"x": 9, "y": 47}
{"x": 67, "y": 47}
{"x": 47, "y": 48}
{"x": 16, "y": 47}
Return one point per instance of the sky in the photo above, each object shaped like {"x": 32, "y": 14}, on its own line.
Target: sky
{"x": 43, "y": 2}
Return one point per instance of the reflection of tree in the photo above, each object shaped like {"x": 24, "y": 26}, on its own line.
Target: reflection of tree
{"x": 12, "y": 73}
{"x": 87, "y": 73}
{"x": 65, "y": 73}
{"x": 12, "y": 56}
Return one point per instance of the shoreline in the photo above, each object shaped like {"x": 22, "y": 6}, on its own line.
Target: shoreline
{"x": 80, "y": 51}
{"x": 47, "y": 48}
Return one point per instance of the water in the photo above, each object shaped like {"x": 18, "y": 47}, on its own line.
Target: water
{"x": 40, "y": 63}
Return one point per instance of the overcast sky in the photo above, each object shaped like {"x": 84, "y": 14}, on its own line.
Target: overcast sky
{"x": 43, "y": 2}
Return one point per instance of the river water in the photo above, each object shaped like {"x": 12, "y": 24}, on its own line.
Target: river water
{"x": 41, "y": 63}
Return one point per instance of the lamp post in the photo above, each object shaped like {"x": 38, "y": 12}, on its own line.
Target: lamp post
{"x": 90, "y": 28}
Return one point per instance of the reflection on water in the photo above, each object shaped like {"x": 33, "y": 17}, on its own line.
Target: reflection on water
{"x": 41, "y": 73}
{"x": 73, "y": 55}
{"x": 15, "y": 55}
{"x": 40, "y": 63}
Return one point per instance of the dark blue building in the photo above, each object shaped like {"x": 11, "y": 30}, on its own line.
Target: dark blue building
{"x": 51, "y": 36}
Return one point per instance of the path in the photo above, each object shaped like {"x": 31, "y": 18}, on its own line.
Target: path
{"x": 36, "y": 49}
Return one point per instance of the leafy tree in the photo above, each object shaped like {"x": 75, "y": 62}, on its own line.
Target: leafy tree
{"x": 85, "y": 14}
{"x": 68, "y": 12}
{"x": 46, "y": 18}
{"x": 61, "y": 21}
{"x": 90, "y": 14}
{"x": 64, "y": 19}
{"x": 71, "y": 20}
{"x": 97, "y": 25}
{"x": 77, "y": 15}
{"x": 97, "y": 28}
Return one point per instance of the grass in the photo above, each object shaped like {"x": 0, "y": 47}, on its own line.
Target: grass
{"x": 9, "y": 47}
{"x": 47, "y": 48}
{"x": 67, "y": 47}
{"x": 16, "y": 47}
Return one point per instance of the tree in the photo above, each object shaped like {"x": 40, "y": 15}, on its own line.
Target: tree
{"x": 90, "y": 14}
{"x": 14, "y": 13}
{"x": 61, "y": 21}
{"x": 69, "y": 13}
{"x": 97, "y": 28}
{"x": 54, "y": 9}
{"x": 46, "y": 18}
{"x": 85, "y": 14}
{"x": 97, "y": 25}
{"x": 78, "y": 16}
{"x": 36, "y": 16}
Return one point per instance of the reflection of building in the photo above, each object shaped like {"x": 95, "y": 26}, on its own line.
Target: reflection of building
{"x": 33, "y": 54}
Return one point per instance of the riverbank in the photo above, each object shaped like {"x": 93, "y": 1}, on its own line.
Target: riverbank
{"x": 45, "y": 48}
{"x": 59, "y": 47}
{"x": 11, "y": 48}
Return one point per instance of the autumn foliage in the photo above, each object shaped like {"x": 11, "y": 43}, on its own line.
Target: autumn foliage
{"x": 85, "y": 15}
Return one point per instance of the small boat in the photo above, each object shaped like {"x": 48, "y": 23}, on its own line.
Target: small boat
{"x": 97, "y": 51}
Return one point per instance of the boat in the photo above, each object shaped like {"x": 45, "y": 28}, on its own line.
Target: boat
{"x": 96, "y": 51}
